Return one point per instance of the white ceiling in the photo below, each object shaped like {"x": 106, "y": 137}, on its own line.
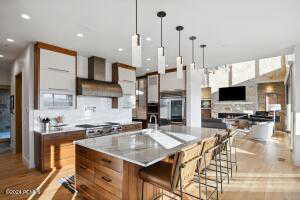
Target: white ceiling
{"x": 234, "y": 30}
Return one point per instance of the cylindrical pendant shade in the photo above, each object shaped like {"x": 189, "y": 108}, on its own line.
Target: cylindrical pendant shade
{"x": 192, "y": 67}
{"x": 179, "y": 64}
{"x": 161, "y": 60}
{"x": 136, "y": 51}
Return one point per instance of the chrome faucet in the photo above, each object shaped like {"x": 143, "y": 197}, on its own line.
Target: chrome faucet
{"x": 154, "y": 126}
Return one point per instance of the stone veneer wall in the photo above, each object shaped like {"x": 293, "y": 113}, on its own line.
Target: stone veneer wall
{"x": 230, "y": 77}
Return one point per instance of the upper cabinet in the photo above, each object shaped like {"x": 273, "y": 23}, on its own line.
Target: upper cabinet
{"x": 125, "y": 76}
{"x": 153, "y": 87}
{"x": 55, "y": 77}
{"x": 169, "y": 81}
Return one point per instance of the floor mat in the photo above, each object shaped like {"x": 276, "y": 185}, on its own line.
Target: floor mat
{"x": 69, "y": 183}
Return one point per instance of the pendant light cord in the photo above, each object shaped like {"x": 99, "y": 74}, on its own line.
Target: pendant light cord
{"x": 179, "y": 44}
{"x": 203, "y": 58}
{"x": 136, "y": 20}
{"x": 161, "y": 32}
{"x": 193, "y": 51}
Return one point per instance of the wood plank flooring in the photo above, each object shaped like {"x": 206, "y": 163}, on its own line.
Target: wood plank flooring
{"x": 265, "y": 173}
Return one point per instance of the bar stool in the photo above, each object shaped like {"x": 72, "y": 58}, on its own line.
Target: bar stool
{"x": 174, "y": 177}
{"x": 232, "y": 149}
{"x": 209, "y": 148}
{"x": 221, "y": 149}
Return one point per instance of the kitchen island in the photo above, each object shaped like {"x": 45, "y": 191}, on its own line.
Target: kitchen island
{"x": 107, "y": 167}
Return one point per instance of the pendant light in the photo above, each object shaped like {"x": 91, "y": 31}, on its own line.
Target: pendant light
{"x": 193, "y": 65}
{"x": 161, "y": 58}
{"x": 179, "y": 60}
{"x": 205, "y": 70}
{"x": 136, "y": 43}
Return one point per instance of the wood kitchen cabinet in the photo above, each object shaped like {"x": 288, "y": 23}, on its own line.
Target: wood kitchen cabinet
{"x": 55, "y": 71}
{"x": 132, "y": 127}
{"x": 55, "y": 150}
{"x": 103, "y": 177}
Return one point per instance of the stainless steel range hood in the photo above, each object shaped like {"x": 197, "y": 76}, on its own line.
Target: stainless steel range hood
{"x": 96, "y": 85}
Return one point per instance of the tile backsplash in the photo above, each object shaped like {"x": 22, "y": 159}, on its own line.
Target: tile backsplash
{"x": 89, "y": 110}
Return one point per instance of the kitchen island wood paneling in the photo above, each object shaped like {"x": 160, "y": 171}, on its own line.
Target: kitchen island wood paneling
{"x": 108, "y": 167}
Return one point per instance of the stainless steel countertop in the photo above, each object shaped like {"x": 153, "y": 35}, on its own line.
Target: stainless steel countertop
{"x": 145, "y": 148}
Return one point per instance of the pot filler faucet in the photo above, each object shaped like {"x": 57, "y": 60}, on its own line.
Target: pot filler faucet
{"x": 151, "y": 125}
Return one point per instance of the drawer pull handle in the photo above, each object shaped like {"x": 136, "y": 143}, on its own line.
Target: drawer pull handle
{"x": 106, "y": 160}
{"x": 84, "y": 187}
{"x": 106, "y": 179}
{"x": 83, "y": 166}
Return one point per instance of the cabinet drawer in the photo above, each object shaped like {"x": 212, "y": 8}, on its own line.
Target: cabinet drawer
{"x": 84, "y": 152}
{"x": 108, "y": 161}
{"x": 85, "y": 188}
{"x": 101, "y": 194}
{"x": 109, "y": 180}
{"x": 56, "y": 80}
{"x": 84, "y": 168}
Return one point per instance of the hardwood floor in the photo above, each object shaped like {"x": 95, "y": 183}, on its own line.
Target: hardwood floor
{"x": 265, "y": 172}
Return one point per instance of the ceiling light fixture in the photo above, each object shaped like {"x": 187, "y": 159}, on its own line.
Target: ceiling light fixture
{"x": 148, "y": 39}
{"x": 80, "y": 35}
{"x": 161, "y": 58}
{"x": 179, "y": 60}
{"x": 148, "y": 59}
{"x": 120, "y": 49}
{"x": 148, "y": 69}
{"x": 9, "y": 40}
{"x": 25, "y": 16}
{"x": 205, "y": 73}
{"x": 193, "y": 38}
{"x": 136, "y": 43}
{"x": 1, "y": 56}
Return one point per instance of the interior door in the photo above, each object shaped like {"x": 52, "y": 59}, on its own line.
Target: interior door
{"x": 18, "y": 112}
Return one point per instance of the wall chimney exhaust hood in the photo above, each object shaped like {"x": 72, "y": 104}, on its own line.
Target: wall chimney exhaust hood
{"x": 96, "y": 85}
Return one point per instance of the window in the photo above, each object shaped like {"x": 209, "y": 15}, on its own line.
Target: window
{"x": 242, "y": 72}
{"x": 268, "y": 65}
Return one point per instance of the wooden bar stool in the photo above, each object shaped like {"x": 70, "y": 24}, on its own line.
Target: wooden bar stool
{"x": 207, "y": 155}
{"x": 174, "y": 177}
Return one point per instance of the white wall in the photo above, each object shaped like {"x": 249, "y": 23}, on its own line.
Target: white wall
{"x": 4, "y": 77}
{"x": 25, "y": 64}
{"x": 296, "y": 106}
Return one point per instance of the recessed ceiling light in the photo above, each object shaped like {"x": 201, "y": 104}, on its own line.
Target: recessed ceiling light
{"x": 167, "y": 65}
{"x": 148, "y": 69}
{"x": 80, "y": 35}
{"x": 148, "y": 59}
{"x": 148, "y": 38}
{"x": 1, "y": 56}
{"x": 120, "y": 49}
{"x": 25, "y": 16}
{"x": 9, "y": 40}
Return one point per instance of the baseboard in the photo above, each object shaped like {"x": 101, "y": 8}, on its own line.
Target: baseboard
{"x": 26, "y": 161}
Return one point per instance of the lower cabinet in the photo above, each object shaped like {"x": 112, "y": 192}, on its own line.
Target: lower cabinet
{"x": 55, "y": 150}
{"x": 98, "y": 176}
{"x": 132, "y": 127}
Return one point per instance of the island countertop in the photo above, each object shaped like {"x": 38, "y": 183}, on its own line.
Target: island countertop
{"x": 144, "y": 147}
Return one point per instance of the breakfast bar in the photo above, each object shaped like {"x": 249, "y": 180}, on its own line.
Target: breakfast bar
{"x": 107, "y": 167}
